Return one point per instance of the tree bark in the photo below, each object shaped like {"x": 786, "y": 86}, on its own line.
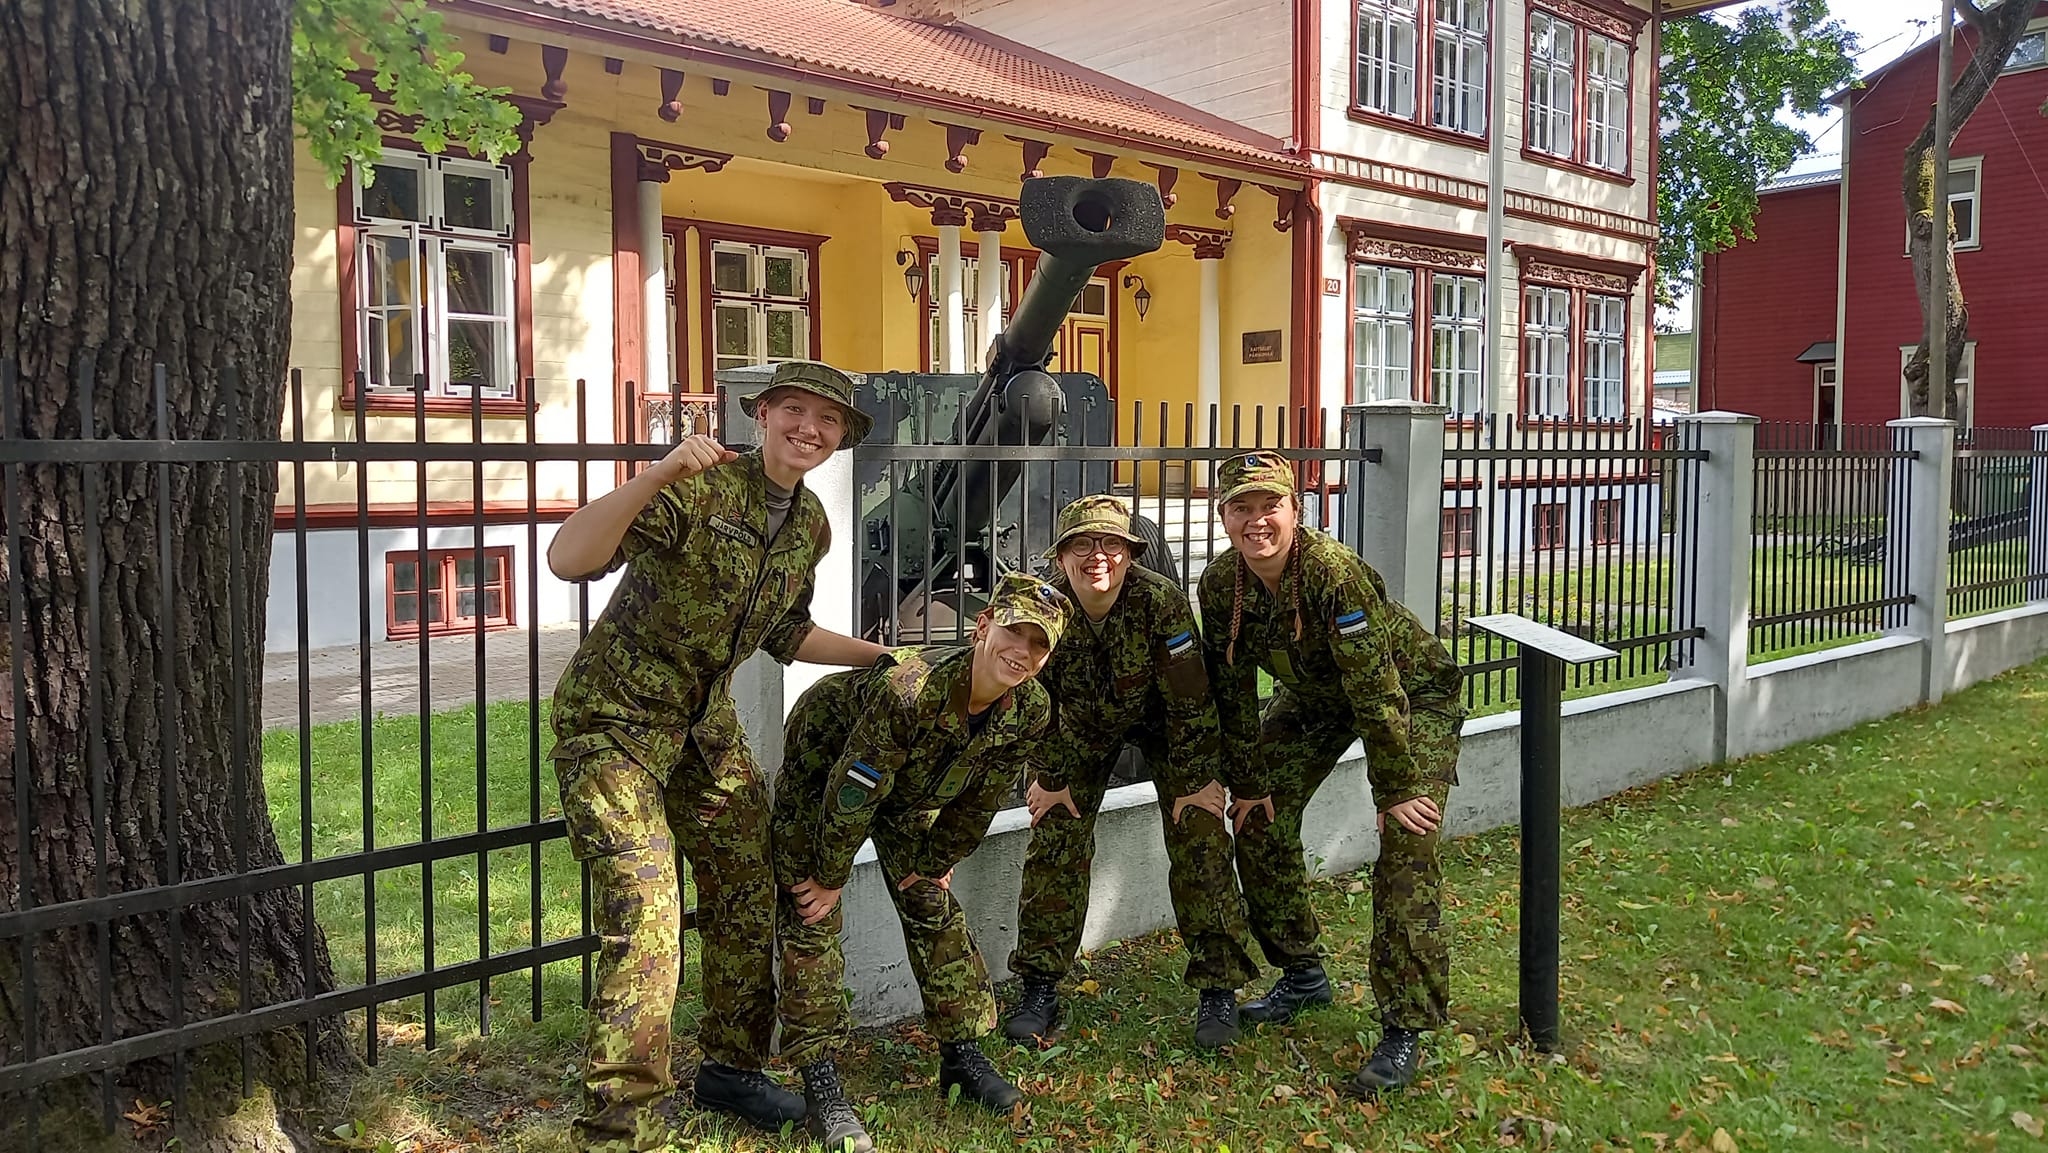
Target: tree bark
{"x": 1998, "y": 28}
{"x": 145, "y": 219}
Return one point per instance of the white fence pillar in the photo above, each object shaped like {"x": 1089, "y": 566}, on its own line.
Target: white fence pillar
{"x": 1715, "y": 560}
{"x": 2037, "y": 519}
{"x": 1393, "y": 511}
{"x": 1922, "y": 489}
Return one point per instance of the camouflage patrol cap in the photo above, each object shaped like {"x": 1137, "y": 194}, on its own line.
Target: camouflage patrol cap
{"x": 1100, "y": 514}
{"x": 1253, "y": 472}
{"x": 818, "y": 380}
{"x": 1023, "y": 599}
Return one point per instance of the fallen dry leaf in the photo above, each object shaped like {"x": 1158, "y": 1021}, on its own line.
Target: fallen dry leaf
{"x": 1947, "y": 1006}
{"x": 1723, "y": 1143}
{"x": 2028, "y": 1123}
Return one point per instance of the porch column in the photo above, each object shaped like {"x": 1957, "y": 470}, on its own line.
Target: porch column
{"x": 952, "y": 304}
{"x": 988, "y": 286}
{"x": 1209, "y": 342}
{"x": 653, "y": 287}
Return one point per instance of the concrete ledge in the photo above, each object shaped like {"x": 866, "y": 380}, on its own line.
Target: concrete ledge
{"x": 1982, "y": 647}
{"x": 1809, "y": 696}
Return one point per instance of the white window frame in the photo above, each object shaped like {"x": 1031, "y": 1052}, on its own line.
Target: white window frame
{"x": 1966, "y": 385}
{"x": 1546, "y": 384}
{"x": 1604, "y": 394}
{"x": 1461, "y": 68}
{"x": 1382, "y": 80}
{"x": 1973, "y": 199}
{"x": 1383, "y": 335}
{"x": 1454, "y": 381}
{"x": 2037, "y": 33}
{"x": 430, "y": 238}
{"x": 1607, "y": 102}
{"x": 760, "y": 303}
{"x": 1553, "y": 129}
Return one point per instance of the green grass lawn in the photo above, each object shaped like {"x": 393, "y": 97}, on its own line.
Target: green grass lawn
{"x": 1842, "y": 945}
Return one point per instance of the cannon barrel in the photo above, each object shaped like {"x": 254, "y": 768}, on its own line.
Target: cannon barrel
{"x": 1078, "y": 224}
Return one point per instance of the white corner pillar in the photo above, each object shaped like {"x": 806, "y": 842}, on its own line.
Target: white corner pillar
{"x": 988, "y": 282}
{"x": 653, "y": 287}
{"x": 2037, "y": 519}
{"x": 952, "y": 303}
{"x": 1918, "y": 566}
{"x": 1715, "y": 561}
{"x": 1209, "y": 339}
{"x": 1393, "y": 510}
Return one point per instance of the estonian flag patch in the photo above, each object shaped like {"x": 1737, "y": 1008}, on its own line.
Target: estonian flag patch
{"x": 1180, "y": 644}
{"x": 864, "y": 775}
{"x": 1351, "y": 623}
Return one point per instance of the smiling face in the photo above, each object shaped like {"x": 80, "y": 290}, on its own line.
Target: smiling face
{"x": 1096, "y": 562}
{"x": 1260, "y": 524}
{"x": 798, "y": 431}
{"x": 1010, "y": 654}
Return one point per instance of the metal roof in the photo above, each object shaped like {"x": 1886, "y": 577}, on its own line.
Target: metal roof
{"x": 1802, "y": 180}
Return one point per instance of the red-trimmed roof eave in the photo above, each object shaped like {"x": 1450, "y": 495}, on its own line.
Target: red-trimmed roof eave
{"x": 1175, "y": 130}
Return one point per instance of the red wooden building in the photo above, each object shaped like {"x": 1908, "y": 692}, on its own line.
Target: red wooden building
{"x": 1797, "y": 325}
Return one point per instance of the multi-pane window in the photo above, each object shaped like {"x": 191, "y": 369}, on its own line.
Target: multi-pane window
{"x": 1547, "y": 352}
{"x": 1965, "y": 194}
{"x": 1458, "y": 534}
{"x": 434, "y": 276}
{"x": 1572, "y": 67}
{"x": 1382, "y": 333}
{"x": 1408, "y": 46}
{"x": 1607, "y": 521}
{"x": 452, "y": 592}
{"x": 1457, "y": 329}
{"x": 2030, "y": 52}
{"x": 973, "y": 331}
{"x": 1606, "y": 383}
{"x": 760, "y": 304}
{"x": 1547, "y": 526}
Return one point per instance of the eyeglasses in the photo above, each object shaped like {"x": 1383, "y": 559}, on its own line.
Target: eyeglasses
{"x": 1086, "y": 546}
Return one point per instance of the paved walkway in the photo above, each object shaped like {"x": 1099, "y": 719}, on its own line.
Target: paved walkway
{"x": 335, "y": 680}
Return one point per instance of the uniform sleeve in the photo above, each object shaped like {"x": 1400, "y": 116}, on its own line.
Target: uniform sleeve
{"x": 660, "y": 526}
{"x": 787, "y": 635}
{"x": 864, "y": 774}
{"x": 1360, "y": 642}
{"x": 1193, "y": 734}
{"x": 1234, "y": 687}
{"x": 964, "y": 820}
{"x": 1052, "y": 758}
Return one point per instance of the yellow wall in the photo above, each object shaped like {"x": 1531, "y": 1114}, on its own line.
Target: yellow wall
{"x": 1254, "y": 291}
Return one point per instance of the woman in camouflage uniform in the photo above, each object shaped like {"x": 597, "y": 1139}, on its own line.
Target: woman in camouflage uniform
{"x": 1130, "y": 670}
{"x": 918, "y": 753}
{"x": 719, "y": 550}
{"x": 1347, "y": 664}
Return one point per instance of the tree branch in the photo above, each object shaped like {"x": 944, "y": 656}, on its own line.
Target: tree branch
{"x": 1972, "y": 15}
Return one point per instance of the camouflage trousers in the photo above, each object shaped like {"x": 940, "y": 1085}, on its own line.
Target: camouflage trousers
{"x": 1410, "y": 965}
{"x": 1053, "y": 904}
{"x": 959, "y": 1001}
{"x": 631, "y": 829}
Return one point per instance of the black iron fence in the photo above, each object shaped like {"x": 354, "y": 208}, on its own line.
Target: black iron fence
{"x": 1998, "y": 553}
{"x": 421, "y": 844}
{"x": 1829, "y": 537}
{"x": 1580, "y": 527}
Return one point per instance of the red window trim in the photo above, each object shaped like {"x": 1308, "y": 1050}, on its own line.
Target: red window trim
{"x": 394, "y": 629}
{"x": 345, "y": 232}
{"x": 1581, "y": 123}
{"x": 1538, "y": 538}
{"x": 1532, "y": 259}
{"x": 1023, "y": 262}
{"x": 709, "y": 231}
{"x": 1422, "y": 123}
{"x": 1458, "y": 532}
{"x": 1599, "y": 508}
{"x": 1420, "y": 377}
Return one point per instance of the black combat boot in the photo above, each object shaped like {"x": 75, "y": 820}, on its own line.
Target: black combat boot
{"x": 1299, "y": 987}
{"x": 963, "y": 1063}
{"x": 828, "y": 1116}
{"x": 747, "y": 1094}
{"x": 1392, "y": 1065}
{"x": 1037, "y": 1013}
{"x": 1216, "y": 1020}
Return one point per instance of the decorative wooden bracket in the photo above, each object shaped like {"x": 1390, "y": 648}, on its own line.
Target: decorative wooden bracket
{"x": 720, "y": 87}
{"x": 671, "y": 108}
{"x": 879, "y": 123}
{"x": 613, "y": 65}
{"x": 1226, "y": 188}
{"x": 1287, "y": 198}
{"x": 1034, "y": 157}
{"x": 1167, "y": 175}
{"x": 1101, "y": 161}
{"x": 659, "y": 160}
{"x": 814, "y": 105}
{"x": 990, "y": 213}
{"x": 500, "y": 45}
{"x": 534, "y": 111}
{"x": 553, "y": 59}
{"x": 958, "y": 138}
{"x": 1208, "y": 243}
{"x": 778, "y": 116}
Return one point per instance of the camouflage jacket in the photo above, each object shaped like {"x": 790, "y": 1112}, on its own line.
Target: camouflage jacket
{"x": 699, "y": 595}
{"x": 1137, "y": 671}
{"x": 887, "y": 752}
{"x": 1360, "y": 657}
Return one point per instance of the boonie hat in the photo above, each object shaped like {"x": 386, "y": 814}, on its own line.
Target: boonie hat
{"x": 1099, "y": 514}
{"x": 819, "y": 380}
{"x": 1023, "y": 599}
{"x": 1254, "y": 472}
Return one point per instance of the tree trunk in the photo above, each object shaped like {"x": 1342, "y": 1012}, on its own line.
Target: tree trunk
{"x": 145, "y": 218}
{"x": 1998, "y": 28}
